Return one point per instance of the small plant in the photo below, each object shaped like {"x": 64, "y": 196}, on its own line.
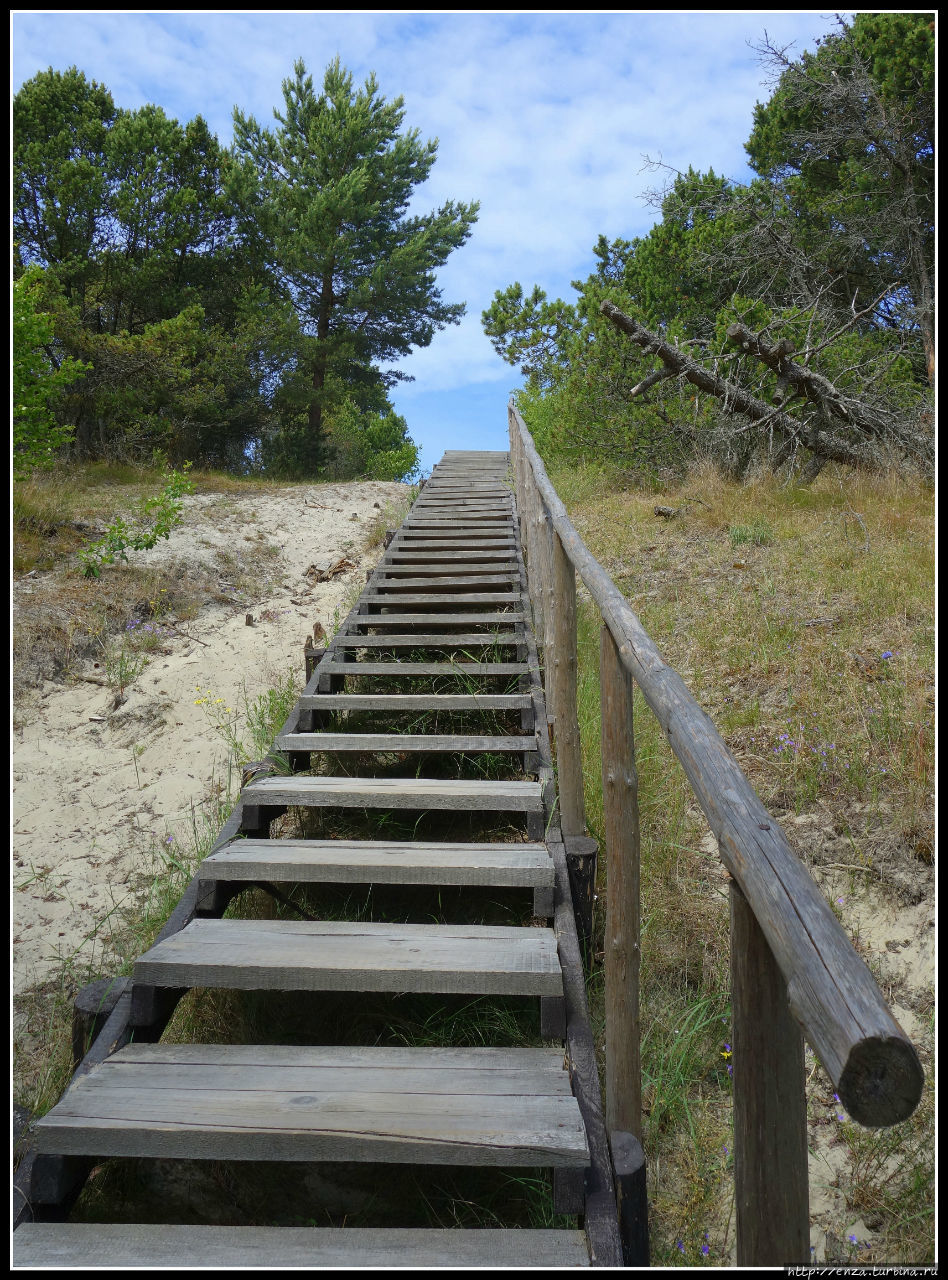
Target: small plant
{"x": 154, "y": 518}
{"x": 123, "y": 665}
{"x": 758, "y": 533}
{"x": 263, "y": 718}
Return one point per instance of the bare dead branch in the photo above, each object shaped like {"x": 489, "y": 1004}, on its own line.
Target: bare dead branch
{"x": 640, "y": 388}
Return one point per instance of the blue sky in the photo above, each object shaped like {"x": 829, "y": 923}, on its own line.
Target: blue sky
{"x": 545, "y": 118}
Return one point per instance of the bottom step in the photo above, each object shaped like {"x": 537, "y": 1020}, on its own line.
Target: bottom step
{"x": 105, "y": 1245}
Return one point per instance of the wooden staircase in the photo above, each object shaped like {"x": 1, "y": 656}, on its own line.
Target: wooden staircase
{"x": 445, "y": 612}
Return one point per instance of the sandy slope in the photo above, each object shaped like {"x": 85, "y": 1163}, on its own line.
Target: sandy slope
{"x": 96, "y": 789}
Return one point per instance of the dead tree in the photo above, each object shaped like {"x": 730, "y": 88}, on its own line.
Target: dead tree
{"x": 832, "y": 426}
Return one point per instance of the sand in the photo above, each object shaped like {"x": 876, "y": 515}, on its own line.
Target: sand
{"x": 99, "y": 789}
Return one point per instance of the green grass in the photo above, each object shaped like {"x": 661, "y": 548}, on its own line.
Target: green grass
{"x": 814, "y": 658}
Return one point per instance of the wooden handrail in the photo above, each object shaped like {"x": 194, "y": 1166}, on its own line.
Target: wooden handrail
{"x": 794, "y": 969}
{"x": 832, "y": 994}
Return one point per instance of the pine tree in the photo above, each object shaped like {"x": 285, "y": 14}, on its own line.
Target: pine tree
{"x": 327, "y": 192}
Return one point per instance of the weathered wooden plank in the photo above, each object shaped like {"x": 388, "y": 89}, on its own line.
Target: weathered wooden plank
{"x": 419, "y": 1115}
{"x": 542, "y": 1065}
{"x": 379, "y": 862}
{"x": 420, "y": 541}
{"x": 471, "y": 490}
{"x": 398, "y": 742}
{"x": 441, "y": 581}
{"x": 375, "y": 599}
{"x": 420, "y": 640}
{"x": 476, "y": 507}
{"x": 501, "y": 566}
{"x": 399, "y": 556}
{"x": 383, "y": 702}
{"x": 444, "y": 620}
{"x": 102, "y": 1244}
{"x": 489, "y": 526}
{"x": 334, "y": 955}
{"x": 396, "y": 793}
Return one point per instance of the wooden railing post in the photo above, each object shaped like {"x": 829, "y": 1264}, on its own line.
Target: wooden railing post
{"x": 771, "y": 1190}
{"x": 622, "y": 949}
{"x": 621, "y": 824}
{"x": 536, "y": 578}
{"x": 561, "y": 680}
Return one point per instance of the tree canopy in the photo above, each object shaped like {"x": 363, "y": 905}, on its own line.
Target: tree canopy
{"x": 330, "y": 187}
{"x": 235, "y": 306}
{"x": 826, "y": 257}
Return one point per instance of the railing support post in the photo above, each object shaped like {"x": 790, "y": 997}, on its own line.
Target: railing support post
{"x": 771, "y": 1191}
{"x": 623, "y": 1086}
{"x": 561, "y": 680}
{"x": 621, "y": 824}
{"x": 628, "y": 1163}
{"x": 535, "y": 576}
{"x": 622, "y": 948}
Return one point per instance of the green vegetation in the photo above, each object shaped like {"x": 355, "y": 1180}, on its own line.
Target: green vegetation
{"x": 813, "y": 654}
{"x": 827, "y": 257}
{"x": 232, "y": 307}
{"x": 37, "y": 381}
{"x": 155, "y": 516}
{"x": 331, "y": 186}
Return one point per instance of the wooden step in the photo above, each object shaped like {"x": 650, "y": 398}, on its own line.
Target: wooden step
{"x": 490, "y": 571}
{"x": 459, "y": 528}
{"x": 396, "y": 793}
{"x": 258, "y": 1102}
{"x": 441, "y": 581}
{"x": 462, "y": 599}
{"x": 380, "y": 862}
{"x": 445, "y": 542}
{"x": 58, "y": 1245}
{"x": 399, "y": 742}
{"x": 472, "y": 489}
{"x": 399, "y": 556}
{"x": 510, "y": 619}
{"x": 344, "y": 955}
{"x": 444, "y": 501}
{"x": 413, "y": 702}
{"x": 419, "y": 640}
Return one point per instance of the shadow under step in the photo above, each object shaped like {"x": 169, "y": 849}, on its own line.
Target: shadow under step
{"x": 419, "y": 640}
{"x": 399, "y": 742}
{"x": 498, "y": 1107}
{"x": 424, "y": 668}
{"x": 64, "y": 1244}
